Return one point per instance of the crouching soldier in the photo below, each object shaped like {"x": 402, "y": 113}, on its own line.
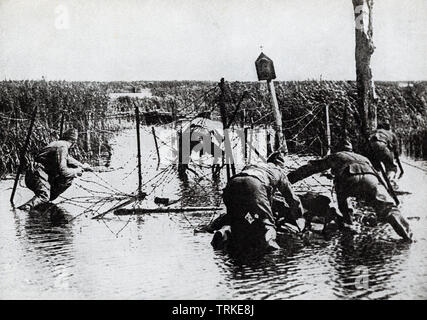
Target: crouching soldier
{"x": 354, "y": 176}
{"x": 384, "y": 150}
{"x": 248, "y": 197}
{"x": 53, "y": 170}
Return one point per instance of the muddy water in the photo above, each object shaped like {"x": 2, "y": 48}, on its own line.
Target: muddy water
{"x": 158, "y": 256}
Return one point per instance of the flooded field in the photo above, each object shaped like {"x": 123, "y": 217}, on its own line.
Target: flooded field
{"x": 66, "y": 254}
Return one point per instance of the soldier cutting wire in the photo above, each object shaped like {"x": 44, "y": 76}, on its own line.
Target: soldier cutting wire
{"x": 53, "y": 170}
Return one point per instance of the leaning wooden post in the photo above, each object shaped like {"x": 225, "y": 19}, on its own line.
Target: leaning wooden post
{"x": 280, "y": 142}
{"x": 265, "y": 71}
{"x": 183, "y": 146}
{"x": 88, "y": 133}
{"x": 328, "y": 131}
{"x": 22, "y": 155}
{"x": 156, "y": 144}
{"x": 179, "y": 144}
{"x": 224, "y": 125}
{"x": 245, "y": 147}
{"x": 139, "y": 150}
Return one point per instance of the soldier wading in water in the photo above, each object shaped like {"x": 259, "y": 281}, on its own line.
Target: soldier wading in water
{"x": 53, "y": 171}
{"x": 248, "y": 197}
{"x": 384, "y": 150}
{"x": 354, "y": 176}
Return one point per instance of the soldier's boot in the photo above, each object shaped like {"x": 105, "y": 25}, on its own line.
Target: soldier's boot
{"x": 399, "y": 224}
{"x": 333, "y": 221}
{"x": 347, "y": 213}
{"x": 221, "y": 238}
{"x": 34, "y": 201}
{"x": 36, "y": 181}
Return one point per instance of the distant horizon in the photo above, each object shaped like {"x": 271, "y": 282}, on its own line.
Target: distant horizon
{"x": 188, "y": 80}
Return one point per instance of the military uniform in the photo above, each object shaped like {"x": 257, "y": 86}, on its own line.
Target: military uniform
{"x": 354, "y": 176}
{"x": 248, "y": 200}
{"x": 384, "y": 148}
{"x": 52, "y": 172}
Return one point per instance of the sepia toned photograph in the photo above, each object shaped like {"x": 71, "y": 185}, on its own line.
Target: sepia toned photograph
{"x": 213, "y": 150}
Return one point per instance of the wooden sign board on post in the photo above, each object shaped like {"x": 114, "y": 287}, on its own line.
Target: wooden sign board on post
{"x": 265, "y": 68}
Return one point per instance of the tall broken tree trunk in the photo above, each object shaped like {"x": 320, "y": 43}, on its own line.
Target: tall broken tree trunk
{"x": 364, "y": 50}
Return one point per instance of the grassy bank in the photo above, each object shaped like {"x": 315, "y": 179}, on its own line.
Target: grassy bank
{"x": 85, "y": 105}
{"x": 303, "y": 108}
{"x": 82, "y": 104}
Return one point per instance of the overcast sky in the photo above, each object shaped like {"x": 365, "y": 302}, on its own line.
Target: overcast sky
{"x": 205, "y": 39}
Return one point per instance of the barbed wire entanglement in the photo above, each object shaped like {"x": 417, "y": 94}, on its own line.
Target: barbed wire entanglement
{"x": 89, "y": 108}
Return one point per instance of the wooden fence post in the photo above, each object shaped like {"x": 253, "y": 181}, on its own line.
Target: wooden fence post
{"x": 228, "y": 156}
{"x": 139, "y": 150}
{"x": 280, "y": 141}
{"x": 328, "y": 131}
{"x": 23, "y": 152}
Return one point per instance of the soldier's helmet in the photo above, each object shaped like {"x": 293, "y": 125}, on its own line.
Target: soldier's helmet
{"x": 347, "y": 146}
{"x": 70, "y": 135}
{"x": 277, "y": 158}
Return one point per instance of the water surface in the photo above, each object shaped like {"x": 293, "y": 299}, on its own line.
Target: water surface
{"x": 65, "y": 254}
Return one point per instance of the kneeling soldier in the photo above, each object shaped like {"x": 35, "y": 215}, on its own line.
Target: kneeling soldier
{"x": 53, "y": 170}
{"x": 248, "y": 198}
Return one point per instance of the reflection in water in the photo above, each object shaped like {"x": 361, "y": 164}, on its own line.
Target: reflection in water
{"x": 365, "y": 264}
{"x": 47, "y": 216}
{"x": 46, "y": 237}
{"x": 261, "y": 275}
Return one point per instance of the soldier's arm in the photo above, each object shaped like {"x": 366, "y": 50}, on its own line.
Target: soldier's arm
{"x": 313, "y": 166}
{"x": 64, "y": 169}
{"x": 73, "y": 163}
{"x": 291, "y": 198}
